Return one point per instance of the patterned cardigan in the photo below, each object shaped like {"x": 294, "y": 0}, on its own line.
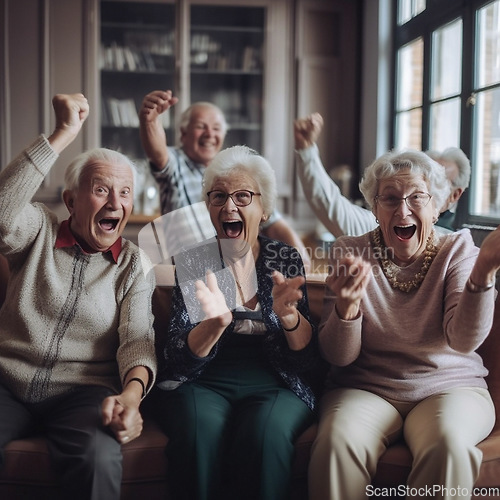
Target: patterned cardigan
{"x": 297, "y": 369}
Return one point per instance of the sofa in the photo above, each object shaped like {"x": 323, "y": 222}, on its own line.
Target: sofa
{"x": 27, "y": 473}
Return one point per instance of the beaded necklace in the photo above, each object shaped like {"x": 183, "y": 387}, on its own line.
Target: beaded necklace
{"x": 391, "y": 270}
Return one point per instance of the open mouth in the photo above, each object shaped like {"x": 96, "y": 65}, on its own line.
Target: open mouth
{"x": 108, "y": 224}
{"x": 232, "y": 229}
{"x": 405, "y": 232}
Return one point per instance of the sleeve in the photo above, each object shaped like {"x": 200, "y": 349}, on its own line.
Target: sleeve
{"x": 468, "y": 316}
{"x": 19, "y": 182}
{"x": 287, "y": 260}
{"x": 337, "y": 213}
{"x": 137, "y": 337}
{"x": 181, "y": 365}
{"x": 339, "y": 340}
{"x": 168, "y": 170}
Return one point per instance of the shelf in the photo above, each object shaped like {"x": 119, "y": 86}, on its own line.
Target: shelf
{"x": 135, "y": 73}
{"x": 226, "y": 72}
{"x": 134, "y": 26}
{"x": 228, "y": 29}
{"x": 225, "y": 66}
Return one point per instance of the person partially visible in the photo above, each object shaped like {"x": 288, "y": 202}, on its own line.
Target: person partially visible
{"x": 77, "y": 351}
{"x": 337, "y": 213}
{"x": 179, "y": 170}
{"x": 458, "y": 171}
{"x": 404, "y": 312}
{"x": 237, "y": 387}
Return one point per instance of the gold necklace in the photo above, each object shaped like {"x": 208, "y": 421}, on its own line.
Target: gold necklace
{"x": 391, "y": 270}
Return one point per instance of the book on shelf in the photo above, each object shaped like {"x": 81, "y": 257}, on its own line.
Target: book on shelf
{"x": 119, "y": 113}
{"x": 123, "y": 113}
{"x": 115, "y": 57}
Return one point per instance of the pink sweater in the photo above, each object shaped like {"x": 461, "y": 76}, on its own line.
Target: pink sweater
{"x": 407, "y": 346}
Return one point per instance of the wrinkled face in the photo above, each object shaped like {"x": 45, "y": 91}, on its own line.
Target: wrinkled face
{"x": 203, "y": 137}
{"x": 239, "y": 224}
{"x": 404, "y": 229}
{"x": 101, "y": 206}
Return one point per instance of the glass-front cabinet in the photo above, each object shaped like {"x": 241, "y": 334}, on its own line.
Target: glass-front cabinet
{"x": 226, "y": 66}
{"x": 137, "y": 55}
{"x": 216, "y": 51}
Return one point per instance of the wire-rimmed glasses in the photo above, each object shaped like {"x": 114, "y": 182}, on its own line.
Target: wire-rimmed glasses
{"x": 414, "y": 201}
{"x": 241, "y": 198}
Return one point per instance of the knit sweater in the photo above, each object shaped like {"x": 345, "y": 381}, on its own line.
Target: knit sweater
{"x": 70, "y": 318}
{"x": 297, "y": 369}
{"x": 407, "y": 346}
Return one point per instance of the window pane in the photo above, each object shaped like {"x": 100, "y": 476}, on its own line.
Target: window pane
{"x": 447, "y": 61}
{"x": 445, "y": 124}
{"x": 409, "y": 129}
{"x": 488, "y": 49}
{"x": 410, "y": 75}
{"x": 486, "y": 164}
{"x": 407, "y": 9}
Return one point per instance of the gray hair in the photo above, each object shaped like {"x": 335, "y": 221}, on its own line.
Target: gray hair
{"x": 186, "y": 114}
{"x": 75, "y": 169}
{"x": 457, "y": 156}
{"x": 417, "y": 162}
{"x": 243, "y": 159}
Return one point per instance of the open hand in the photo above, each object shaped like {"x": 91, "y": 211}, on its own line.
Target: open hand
{"x": 348, "y": 280}
{"x": 212, "y": 300}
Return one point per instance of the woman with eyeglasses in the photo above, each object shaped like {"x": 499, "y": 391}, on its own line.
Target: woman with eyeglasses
{"x": 404, "y": 312}
{"x": 241, "y": 354}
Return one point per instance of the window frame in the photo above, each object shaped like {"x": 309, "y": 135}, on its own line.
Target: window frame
{"x": 437, "y": 14}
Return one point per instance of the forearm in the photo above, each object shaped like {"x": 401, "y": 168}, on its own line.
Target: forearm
{"x": 203, "y": 337}
{"x": 471, "y": 320}
{"x": 137, "y": 382}
{"x": 154, "y": 143}
{"x": 337, "y": 213}
{"x": 20, "y": 181}
{"x": 299, "y": 334}
{"x": 339, "y": 340}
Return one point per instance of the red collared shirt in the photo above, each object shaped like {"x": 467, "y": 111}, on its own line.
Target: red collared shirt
{"x": 66, "y": 239}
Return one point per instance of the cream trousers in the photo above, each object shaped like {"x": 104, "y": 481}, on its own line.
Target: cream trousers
{"x": 442, "y": 432}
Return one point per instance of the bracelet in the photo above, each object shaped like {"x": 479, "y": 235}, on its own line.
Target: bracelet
{"x": 472, "y": 287}
{"x": 143, "y": 385}
{"x": 295, "y": 327}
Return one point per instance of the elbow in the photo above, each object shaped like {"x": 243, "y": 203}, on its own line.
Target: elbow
{"x": 464, "y": 346}
{"x": 338, "y": 357}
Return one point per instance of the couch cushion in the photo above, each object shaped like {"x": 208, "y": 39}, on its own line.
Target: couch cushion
{"x": 27, "y": 463}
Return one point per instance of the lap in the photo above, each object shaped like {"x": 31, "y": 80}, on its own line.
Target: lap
{"x": 462, "y": 413}
{"x": 357, "y": 413}
{"x": 198, "y": 405}
{"x": 16, "y": 421}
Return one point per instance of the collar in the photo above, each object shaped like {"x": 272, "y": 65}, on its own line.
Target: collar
{"x": 191, "y": 164}
{"x": 66, "y": 239}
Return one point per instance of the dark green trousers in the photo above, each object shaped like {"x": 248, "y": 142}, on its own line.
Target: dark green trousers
{"x": 232, "y": 431}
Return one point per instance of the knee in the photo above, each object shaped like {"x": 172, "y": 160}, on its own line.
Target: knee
{"x": 103, "y": 453}
{"x": 338, "y": 433}
{"x": 447, "y": 447}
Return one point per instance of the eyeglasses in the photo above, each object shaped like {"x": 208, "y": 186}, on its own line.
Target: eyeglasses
{"x": 240, "y": 198}
{"x": 415, "y": 201}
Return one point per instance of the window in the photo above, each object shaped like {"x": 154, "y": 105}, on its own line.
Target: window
{"x": 447, "y": 90}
